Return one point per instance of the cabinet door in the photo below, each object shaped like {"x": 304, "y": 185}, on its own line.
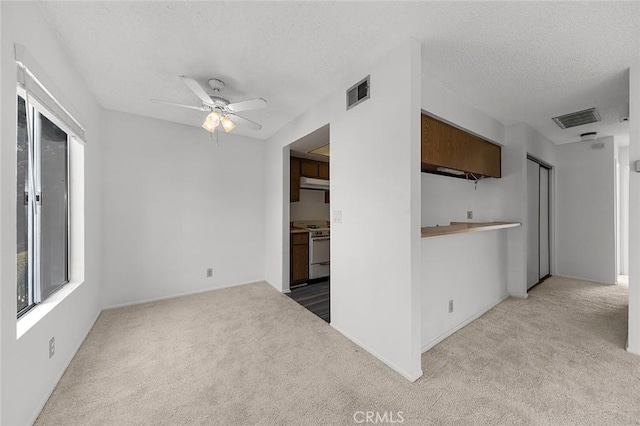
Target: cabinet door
{"x": 323, "y": 170}
{"x": 299, "y": 263}
{"x": 436, "y": 146}
{"x": 310, "y": 169}
{"x": 489, "y": 158}
{"x": 444, "y": 145}
{"x": 295, "y": 180}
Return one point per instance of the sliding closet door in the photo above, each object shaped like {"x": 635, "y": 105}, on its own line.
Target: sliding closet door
{"x": 538, "y": 222}
{"x": 545, "y": 267}
{"x": 533, "y": 216}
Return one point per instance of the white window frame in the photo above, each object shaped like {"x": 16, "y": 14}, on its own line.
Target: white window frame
{"x": 35, "y": 296}
{"x": 49, "y": 98}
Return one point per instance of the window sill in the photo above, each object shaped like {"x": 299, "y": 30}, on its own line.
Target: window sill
{"x": 40, "y": 311}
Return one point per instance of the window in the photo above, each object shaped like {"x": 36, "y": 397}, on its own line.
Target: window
{"x": 42, "y": 189}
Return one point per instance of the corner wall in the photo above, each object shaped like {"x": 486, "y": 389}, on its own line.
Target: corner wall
{"x": 28, "y": 375}
{"x": 375, "y": 182}
{"x": 176, "y": 204}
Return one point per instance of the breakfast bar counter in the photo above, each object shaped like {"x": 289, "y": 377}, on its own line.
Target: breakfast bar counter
{"x": 465, "y": 228}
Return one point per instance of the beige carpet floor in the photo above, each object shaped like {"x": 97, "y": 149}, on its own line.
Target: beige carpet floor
{"x": 250, "y": 355}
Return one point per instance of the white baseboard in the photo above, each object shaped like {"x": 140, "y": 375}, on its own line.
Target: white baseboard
{"x": 412, "y": 377}
{"x": 173, "y": 296}
{"x": 464, "y": 323}
{"x": 584, "y": 279}
{"x": 67, "y": 363}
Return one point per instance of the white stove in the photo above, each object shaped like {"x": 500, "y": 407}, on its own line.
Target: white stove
{"x": 319, "y": 247}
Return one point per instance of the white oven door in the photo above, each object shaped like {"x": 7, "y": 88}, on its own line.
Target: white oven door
{"x": 320, "y": 250}
{"x": 319, "y": 257}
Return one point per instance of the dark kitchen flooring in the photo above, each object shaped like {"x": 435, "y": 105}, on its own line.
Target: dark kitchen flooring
{"x": 315, "y": 297}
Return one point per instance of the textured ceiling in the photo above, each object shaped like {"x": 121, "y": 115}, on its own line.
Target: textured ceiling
{"x": 518, "y": 62}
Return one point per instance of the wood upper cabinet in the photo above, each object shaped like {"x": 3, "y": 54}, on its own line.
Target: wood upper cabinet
{"x": 313, "y": 169}
{"x": 307, "y": 168}
{"x": 294, "y": 194}
{"x": 323, "y": 170}
{"x": 310, "y": 169}
{"x": 447, "y": 146}
{"x": 299, "y": 258}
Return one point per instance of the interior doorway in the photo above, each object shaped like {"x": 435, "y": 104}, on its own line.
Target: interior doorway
{"x": 309, "y": 225}
{"x": 539, "y": 221}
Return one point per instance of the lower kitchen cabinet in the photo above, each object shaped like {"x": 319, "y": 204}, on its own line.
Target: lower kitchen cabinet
{"x": 299, "y": 258}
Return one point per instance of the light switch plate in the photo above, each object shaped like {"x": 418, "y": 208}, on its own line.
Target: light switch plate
{"x": 337, "y": 216}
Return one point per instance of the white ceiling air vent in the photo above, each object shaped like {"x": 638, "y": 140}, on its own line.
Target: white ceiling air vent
{"x": 358, "y": 93}
{"x": 577, "y": 118}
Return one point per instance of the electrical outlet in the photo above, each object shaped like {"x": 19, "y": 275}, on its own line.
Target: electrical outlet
{"x": 450, "y": 305}
{"x": 469, "y": 214}
{"x": 209, "y": 272}
{"x": 52, "y": 347}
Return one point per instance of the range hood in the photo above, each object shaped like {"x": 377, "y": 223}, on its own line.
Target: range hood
{"x": 311, "y": 183}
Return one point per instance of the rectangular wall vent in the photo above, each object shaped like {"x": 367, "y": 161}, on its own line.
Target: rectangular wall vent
{"x": 358, "y": 93}
{"x": 577, "y": 118}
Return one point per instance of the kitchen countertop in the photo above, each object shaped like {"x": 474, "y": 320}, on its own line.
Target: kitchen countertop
{"x": 465, "y": 228}
{"x": 298, "y": 230}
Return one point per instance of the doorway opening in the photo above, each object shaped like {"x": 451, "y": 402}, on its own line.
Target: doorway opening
{"x": 539, "y": 221}
{"x": 309, "y": 223}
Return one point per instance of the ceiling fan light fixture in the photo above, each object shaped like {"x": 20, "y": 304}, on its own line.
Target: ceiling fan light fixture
{"x": 218, "y": 107}
{"x": 211, "y": 122}
{"x": 227, "y": 124}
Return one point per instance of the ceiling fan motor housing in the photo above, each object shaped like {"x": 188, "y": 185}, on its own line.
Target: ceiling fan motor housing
{"x": 216, "y": 85}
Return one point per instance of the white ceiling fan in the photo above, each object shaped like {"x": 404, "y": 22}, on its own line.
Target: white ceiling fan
{"x": 220, "y": 110}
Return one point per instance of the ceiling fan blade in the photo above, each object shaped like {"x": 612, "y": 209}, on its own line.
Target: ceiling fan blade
{"x": 256, "y": 103}
{"x": 196, "y": 88}
{"x": 244, "y": 122}
{"x": 199, "y": 108}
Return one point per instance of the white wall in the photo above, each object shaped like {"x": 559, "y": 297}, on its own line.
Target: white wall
{"x": 310, "y": 207}
{"x": 176, "y": 204}
{"x": 634, "y": 209}
{"x": 471, "y": 270}
{"x": 586, "y": 211}
{"x": 28, "y": 375}
{"x": 447, "y": 199}
{"x": 375, "y": 172}
{"x": 375, "y": 179}
{"x": 441, "y": 102}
